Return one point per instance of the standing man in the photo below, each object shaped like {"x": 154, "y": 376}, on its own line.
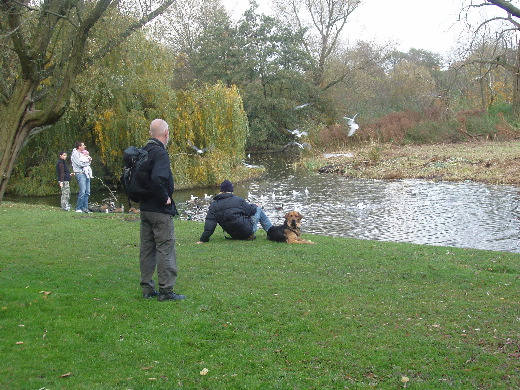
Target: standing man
{"x": 63, "y": 175}
{"x": 157, "y": 235}
{"x": 83, "y": 180}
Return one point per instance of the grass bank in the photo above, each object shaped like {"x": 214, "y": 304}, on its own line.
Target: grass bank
{"x": 343, "y": 313}
{"x": 487, "y": 162}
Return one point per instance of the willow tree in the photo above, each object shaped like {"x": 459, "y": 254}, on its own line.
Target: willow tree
{"x": 45, "y": 46}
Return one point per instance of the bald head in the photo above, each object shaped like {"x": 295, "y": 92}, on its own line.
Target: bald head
{"x": 159, "y": 130}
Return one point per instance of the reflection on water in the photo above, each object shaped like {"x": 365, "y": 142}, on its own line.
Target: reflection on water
{"x": 468, "y": 215}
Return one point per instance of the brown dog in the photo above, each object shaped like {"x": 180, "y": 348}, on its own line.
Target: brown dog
{"x": 289, "y": 232}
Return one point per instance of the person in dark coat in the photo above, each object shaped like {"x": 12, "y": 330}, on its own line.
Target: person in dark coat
{"x": 157, "y": 249}
{"x": 63, "y": 175}
{"x": 237, "y": 217}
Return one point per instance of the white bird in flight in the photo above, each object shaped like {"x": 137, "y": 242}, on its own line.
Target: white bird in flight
{"x": 301, "y": 106}
{"x": 198, "y": 150}
{"x": 303, "y": 145}
{"x": 353, "y": 125}
{"x": 298, "y": 133}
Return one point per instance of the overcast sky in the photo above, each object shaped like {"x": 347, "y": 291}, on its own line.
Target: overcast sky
{"x": 422, "y": 24}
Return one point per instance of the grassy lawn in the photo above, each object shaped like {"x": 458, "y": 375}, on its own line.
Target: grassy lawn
{"x": 344, "y": 313}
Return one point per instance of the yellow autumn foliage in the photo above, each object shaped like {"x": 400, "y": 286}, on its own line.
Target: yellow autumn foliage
{"x": 212, "y": 117}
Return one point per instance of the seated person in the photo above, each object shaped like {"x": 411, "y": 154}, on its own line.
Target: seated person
{"x": 238, "y": 218}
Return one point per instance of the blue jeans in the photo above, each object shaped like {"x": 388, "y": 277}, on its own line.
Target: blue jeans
{"x": 84, "y": 191}
{"x": 262, "y": 218}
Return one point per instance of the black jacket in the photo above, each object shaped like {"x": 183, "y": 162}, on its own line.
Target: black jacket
{"x": 161, "y": 178}
{"x": 232, "y": 213}
{"x": 62, "y": 171}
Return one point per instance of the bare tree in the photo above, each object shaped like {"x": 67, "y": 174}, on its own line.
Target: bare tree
{"x": 505, "y": 41}
{"x": 323, "y": 21}
{"x": 506, "y": 6}
{"x": 44, "y": 48}
{"x": 186, "y": 21}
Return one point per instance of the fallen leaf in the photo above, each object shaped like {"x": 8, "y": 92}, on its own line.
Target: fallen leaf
{"x": 204, "y": 371}
{"x": 45, "y": 292}
{"x": 19, "y": 342}
{"x": 66, "y": 375}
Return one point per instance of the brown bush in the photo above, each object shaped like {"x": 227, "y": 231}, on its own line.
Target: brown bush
{"x": 392, "y": 127}
{"x": 335, "y": 136}
{"x": 504, "y": 131}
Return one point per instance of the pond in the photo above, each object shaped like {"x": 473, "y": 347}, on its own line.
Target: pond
{"x": 466, "y": 215}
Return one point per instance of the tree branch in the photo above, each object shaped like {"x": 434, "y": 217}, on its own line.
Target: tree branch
{"x": 114, "y": 42}
{"x": 507, "y": 6}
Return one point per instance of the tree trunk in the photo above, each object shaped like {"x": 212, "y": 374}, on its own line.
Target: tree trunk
{"x": 516, "y": 86}
{"x": 18, "y": 114}
{"x": 14, "y": 130}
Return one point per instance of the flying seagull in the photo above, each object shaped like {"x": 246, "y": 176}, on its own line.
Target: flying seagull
{"x": 298, "y": 133}
{"x": 301, "y": 106}
{"x": 198, "y": 150}
{"x": 303, "y": 145}
{"x": 353, "y": 125}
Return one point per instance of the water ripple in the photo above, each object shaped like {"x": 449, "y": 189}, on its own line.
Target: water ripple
{"x": 467, "y": 214}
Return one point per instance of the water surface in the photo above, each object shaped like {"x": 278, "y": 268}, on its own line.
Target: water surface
{"x": 466, "y": 215}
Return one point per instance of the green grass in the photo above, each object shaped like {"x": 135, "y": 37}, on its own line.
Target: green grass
{"x": 343, "y": 313}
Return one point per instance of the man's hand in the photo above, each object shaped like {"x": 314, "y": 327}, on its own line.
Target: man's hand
{"x": 169, "y": 201}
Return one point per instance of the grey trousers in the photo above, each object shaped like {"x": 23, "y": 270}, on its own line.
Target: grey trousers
{"x": 157, "y": 250}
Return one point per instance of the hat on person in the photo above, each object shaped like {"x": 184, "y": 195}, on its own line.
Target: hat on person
{"x": 226, "y": 186}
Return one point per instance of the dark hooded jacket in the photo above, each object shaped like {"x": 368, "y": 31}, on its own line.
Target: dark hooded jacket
{"x": 62, "y": 171}
{"x": 161, "y": 179}
{"x": 232, "y": 213}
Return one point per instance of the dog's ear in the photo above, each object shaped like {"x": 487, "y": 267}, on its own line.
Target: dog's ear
{"x": 300, "y": 216}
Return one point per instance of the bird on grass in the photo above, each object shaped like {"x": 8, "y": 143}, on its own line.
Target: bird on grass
{"x": 197, "y": 149}
{"x": 353, "y": 125}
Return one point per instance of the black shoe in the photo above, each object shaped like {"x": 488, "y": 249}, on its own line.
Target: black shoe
{"x": 150, "y": 294}
{"x": 170, "y": 297}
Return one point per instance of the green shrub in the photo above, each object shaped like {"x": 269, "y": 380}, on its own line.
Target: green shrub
{"x": 429, "y": 132}
{"x": 482, "y": 125}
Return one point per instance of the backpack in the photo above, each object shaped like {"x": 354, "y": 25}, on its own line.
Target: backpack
{"x": 136, "y": 174}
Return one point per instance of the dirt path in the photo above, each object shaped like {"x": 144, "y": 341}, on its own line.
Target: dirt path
{"x": 488, "y": 162}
